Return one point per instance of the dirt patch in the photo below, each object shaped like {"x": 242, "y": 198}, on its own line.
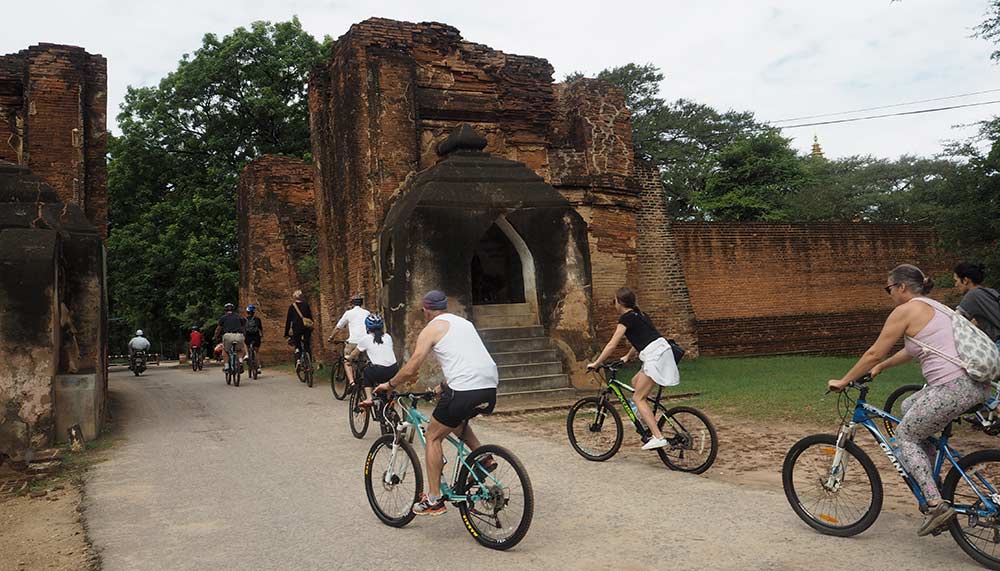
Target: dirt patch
{"x": 751, "y": 452}
{"x": 44, "y": 532}
{"x": 41, "y": 508}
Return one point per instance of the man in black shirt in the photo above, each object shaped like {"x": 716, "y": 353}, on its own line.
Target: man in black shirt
{"x": 254, "y": 331}
{"x": 980, "y": 304}
{"x": 230, "y": 329}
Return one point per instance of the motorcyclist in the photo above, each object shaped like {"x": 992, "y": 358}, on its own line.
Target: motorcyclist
{"x": 137, "y": 343}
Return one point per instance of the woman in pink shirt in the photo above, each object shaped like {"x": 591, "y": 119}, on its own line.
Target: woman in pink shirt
{"x": 921, "y": 321}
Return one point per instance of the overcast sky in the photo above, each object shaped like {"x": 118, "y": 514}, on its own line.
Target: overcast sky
{"x": 779, "y": 59}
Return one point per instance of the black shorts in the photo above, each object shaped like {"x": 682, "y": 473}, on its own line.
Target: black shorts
{"x": 378, "y": 374}
{"x": 456, "y": 407}
{"x": 252, "y": 339}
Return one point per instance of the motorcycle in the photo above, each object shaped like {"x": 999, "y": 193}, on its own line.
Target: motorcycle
{"x": 138, "y": 364}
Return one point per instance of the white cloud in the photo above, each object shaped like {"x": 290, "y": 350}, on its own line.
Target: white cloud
{"x": 777, "y": 58}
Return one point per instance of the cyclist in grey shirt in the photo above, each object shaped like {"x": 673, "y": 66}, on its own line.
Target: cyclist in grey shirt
{"x": 980, "y": 304}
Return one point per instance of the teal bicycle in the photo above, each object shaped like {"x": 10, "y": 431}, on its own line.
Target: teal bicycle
{"x": 496, "y": 502}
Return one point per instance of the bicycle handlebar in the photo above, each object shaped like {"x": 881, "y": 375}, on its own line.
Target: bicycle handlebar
{"x": 856, "y": 383}
{"x": 425, "y": 395}
{"x": 612, "y": 366}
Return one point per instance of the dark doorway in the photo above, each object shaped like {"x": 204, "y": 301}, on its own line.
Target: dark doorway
{"x": 496, "y": 270}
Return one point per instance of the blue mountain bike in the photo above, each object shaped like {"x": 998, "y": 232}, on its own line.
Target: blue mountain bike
{"x": 834, "y": 487}
{"x": 489, "y": 485}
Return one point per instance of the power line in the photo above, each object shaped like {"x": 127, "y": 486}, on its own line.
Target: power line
{"x": 959, "y": 96}
{"x": 898, "y": 114}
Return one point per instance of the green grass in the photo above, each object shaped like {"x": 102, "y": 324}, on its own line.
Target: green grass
{"x": 786, "y": 388}
{"x": 320, "y": 372}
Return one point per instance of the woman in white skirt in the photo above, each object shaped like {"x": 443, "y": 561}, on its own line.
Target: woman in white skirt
{"x": 658, "y": 365}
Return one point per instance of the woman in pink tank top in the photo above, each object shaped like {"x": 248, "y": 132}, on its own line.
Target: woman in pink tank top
{"x": 921, "y": 322}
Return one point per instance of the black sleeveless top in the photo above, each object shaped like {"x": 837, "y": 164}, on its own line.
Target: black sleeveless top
{"x": 639, "y": 329}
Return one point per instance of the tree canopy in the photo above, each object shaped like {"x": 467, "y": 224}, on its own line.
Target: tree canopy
{"x": 173, "y": 171}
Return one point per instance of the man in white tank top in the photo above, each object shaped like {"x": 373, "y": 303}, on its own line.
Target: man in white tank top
{"x": 470, "y": 387}
{"x": 354, "y": 320}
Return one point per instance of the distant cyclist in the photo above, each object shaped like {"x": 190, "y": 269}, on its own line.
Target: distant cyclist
{"x": 470, "y": 387}
{"x": 254, "y": 332}
{"x": 196, "y": 340}
{"x": 658, "y": 365}
{"x": 354, "y": 320}
{"x": 377, "y": 344}
{"x": 230, "y": 329}
{"x": 299, "y": 324}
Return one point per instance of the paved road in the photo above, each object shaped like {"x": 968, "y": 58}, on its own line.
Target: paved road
{"x": 267, "y": 476}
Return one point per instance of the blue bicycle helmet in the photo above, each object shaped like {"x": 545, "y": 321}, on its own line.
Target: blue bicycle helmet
{"x": 251, "y": 308}
{"x": 373, "y": 322}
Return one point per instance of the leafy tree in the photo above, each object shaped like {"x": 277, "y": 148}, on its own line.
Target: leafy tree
{"x": 751, "y": 179}
{"x": 989, "y": 29}
{"x": 173, "y": 170}
{"x": 967, "y": 209}
{"x": 869, "y": 189}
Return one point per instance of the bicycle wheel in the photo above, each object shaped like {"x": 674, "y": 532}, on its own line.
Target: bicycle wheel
{"x": 308, "y": 367}
{"x": 594, "y": 428}
{"x": 842, "y": 499}
{"x": 252, "y": 363}
{"x": 893, "y": 405}
{"x": 300, "y": 370}
{"x": 393, "y": 482}
{"x": 358, "y": 416}
{"x": 693, "y": 441}
{"x": 229, "y": 378}
{"x": 236, "y": 378}
{"x": 976, "y": 534}
{"x": 501, "y": 514}
{"x": 194, "y": 363}
{"x": 338, "y": 379}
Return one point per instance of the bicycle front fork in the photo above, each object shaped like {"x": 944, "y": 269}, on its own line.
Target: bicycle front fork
{"x": 839, "y": 464}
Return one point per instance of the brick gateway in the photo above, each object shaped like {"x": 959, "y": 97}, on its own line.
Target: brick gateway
{"x": 393, "y": 92}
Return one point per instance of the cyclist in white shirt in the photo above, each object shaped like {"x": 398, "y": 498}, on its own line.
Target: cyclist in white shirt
{"x": 377, "y": 344}
{"x": 470, "y": 388}
{"x": 354, "y": 320}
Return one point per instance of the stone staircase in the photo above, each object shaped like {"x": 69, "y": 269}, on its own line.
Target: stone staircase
{"x": 529, "y": 364}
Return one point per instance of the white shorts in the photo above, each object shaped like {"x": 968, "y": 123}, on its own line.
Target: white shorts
{"x": 658, "y": 362}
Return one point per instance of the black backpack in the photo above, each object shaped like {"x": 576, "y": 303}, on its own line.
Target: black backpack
{"x": 253, "y": 325}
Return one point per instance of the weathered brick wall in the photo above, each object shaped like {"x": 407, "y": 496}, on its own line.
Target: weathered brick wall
{"x": 277, "y": 237}
{"x": 53, "y": 119}
{"x": 392, "y": 90}
{"x": 662, "y": 289}
{"x": 760, "y": 288}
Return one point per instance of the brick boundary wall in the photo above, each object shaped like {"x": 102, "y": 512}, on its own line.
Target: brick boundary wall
{"x": 765, "y": 288}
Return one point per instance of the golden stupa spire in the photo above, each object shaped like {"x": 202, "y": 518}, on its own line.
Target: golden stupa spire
{"x": 817, "y": 151}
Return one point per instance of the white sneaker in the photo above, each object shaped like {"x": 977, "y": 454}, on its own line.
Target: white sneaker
{"x": 655, "y": 443}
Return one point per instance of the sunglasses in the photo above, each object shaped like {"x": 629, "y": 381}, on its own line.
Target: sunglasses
{"x": 888, "y": 288}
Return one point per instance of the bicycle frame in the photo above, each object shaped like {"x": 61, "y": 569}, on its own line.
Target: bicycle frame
{"x": 618, "y": 388}
{"x": 865, "y": 414}
{"x": 233, "y": 361}
{"x": 416, "y": 421}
